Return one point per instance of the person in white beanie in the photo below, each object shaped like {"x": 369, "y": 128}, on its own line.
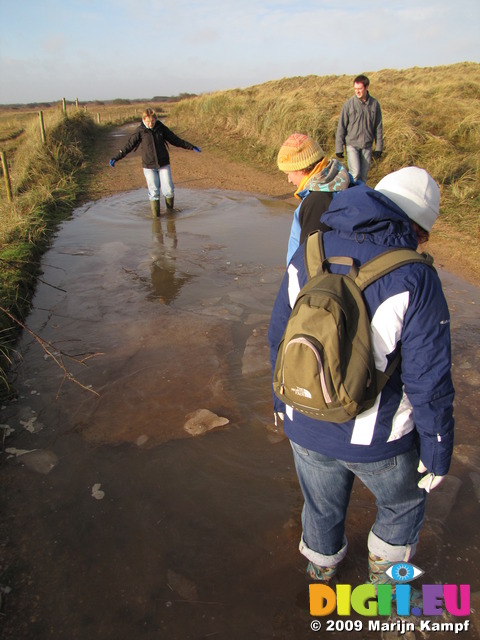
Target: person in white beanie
{"x": 417, "y": 194}
{"x": 401, "y": 448}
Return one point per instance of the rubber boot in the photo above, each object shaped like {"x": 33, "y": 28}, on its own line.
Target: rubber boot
{"x": 377, "y": 572}
{"x": 169, "y": 203}
{"x": 321, "y": 574}
{"x": 155, "y": 205}
{"x": 377, "y": 568}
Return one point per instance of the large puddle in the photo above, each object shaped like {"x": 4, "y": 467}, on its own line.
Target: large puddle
{"x": 118, "y": 522}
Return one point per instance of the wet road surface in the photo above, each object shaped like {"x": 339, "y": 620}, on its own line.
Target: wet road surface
{"x": 117, "y": 523}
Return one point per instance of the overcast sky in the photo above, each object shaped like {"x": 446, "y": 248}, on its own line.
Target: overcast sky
{"x": 106, "y": 49}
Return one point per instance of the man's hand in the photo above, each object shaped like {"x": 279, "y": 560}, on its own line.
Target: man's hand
{"x": 429, "y": 480}
{"x": 339, "y": 155}
{"x": 377, "y": 155}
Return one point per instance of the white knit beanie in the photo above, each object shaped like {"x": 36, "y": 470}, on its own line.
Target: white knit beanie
{"x": 415, "y": 192}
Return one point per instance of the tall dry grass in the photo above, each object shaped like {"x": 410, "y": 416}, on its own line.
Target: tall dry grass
{"x": 431, "y": 118}
{"x": 46, "y": 180}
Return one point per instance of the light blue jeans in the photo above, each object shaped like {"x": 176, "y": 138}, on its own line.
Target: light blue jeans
{"x": 326, "y": 485}
{"x": 157, "y": 178}
{"x": 358, "y": 161}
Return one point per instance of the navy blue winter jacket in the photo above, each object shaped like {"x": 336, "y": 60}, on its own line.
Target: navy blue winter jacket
{"x": 409, "y": 313}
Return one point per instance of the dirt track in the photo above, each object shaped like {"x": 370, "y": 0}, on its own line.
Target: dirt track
{"x": 209, "y": 170}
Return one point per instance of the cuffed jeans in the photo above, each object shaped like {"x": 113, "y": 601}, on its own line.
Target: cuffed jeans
{"x": 326, "y": 485}
{"x": 358, "y": 161}
{"x": 157, "y": 178}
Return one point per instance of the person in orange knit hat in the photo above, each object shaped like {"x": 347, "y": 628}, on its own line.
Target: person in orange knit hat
{"x": 303, "y": 160}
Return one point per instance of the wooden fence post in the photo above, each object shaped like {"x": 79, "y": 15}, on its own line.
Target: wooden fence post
{"x": 7, "y": 176}
{"x": 98, "y": 118}
{"x": 42, "y": 126}
{"x": 64, "y": 105}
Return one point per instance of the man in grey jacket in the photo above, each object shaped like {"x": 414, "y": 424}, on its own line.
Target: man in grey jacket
{"x": 359, "y": 126}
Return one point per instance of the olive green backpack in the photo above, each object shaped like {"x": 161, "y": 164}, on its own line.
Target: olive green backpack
{"x": 325, "y": 366}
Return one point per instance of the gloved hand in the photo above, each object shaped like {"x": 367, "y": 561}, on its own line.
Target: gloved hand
{"x": 112, "y": 162}
{"x": 377, "y": 155}
{"x": 429, "y": 480}
{"x": 339, "y": 155}
{"x": 197, "y": 149}
{"x": 278, "y": 418}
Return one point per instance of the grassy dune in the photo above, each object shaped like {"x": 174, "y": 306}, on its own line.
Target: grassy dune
{"x": 431, "y": 119}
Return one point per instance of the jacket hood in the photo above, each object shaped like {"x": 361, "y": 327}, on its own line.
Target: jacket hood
{"x": 144, "y": 126}
{"x": 362, "y": 211}
{"x": 328, "y": 176}
{"x": 333, "y": 177}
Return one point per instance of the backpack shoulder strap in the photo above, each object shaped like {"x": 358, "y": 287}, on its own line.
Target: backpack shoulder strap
{"x": 314, "y": 253}
{"x": 387, "y": 262}
{"x": 315, "y": 260}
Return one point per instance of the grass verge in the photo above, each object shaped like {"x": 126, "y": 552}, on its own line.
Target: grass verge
{"x": 47, "y": 181}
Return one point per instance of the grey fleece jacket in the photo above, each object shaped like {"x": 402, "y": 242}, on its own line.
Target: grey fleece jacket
{"x": 360, "y": 125}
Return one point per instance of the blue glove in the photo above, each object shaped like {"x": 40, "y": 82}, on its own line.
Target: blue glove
{"x": 112, "y": 162}
{"x": 197, "y": 149}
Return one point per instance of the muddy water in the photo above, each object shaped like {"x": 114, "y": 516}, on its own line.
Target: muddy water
{"x": 118, "y": 522}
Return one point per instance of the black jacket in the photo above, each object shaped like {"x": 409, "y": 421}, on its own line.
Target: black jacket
{"x": 153, "y": 143}
{"x": 311, "y": 211}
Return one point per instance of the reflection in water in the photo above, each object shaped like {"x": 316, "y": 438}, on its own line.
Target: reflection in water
{"x": 166, "y": 282}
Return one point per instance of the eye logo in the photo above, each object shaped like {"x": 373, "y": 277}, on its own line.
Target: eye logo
{"x": 404, "y": 572}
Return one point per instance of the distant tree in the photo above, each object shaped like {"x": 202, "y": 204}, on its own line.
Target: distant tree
{"x": 185, "y": 96}
{"x": 38, "y": 105}
{"x": 181, "y": 96}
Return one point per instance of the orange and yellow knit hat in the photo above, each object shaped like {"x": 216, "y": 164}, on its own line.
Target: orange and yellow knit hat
{"x": 299, "y": 152}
